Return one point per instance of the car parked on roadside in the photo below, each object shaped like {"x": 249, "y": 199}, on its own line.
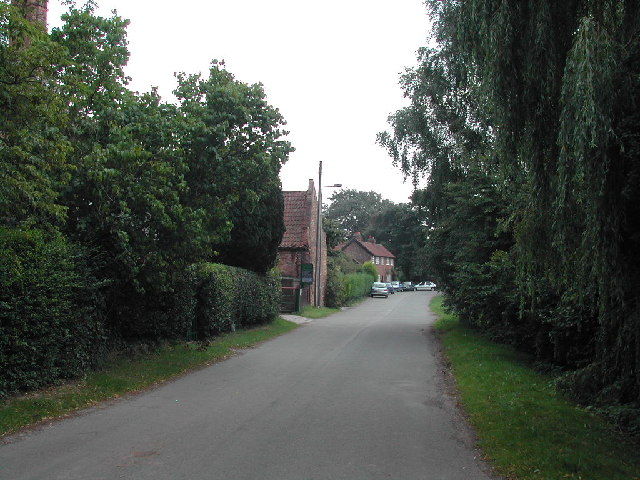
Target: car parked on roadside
{"x": 396, "y": 286}
{"x": 426, "y": 286}
{"x": 379, "y": 289}
{"x": 390, "y": 288}
{"x": 408, "y": 287}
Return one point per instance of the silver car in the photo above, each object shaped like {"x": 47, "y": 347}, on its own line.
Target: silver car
{"x": 379, "y": 289}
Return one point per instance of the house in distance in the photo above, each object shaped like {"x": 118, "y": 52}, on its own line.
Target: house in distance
{"x": 370, "y": 251}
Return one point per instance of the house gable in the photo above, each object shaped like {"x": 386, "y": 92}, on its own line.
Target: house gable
{"x": 378, "y": 254}
{"x": 299, "y": 242}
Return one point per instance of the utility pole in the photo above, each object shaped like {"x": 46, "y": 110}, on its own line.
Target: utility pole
{"x": 318, "y": 295}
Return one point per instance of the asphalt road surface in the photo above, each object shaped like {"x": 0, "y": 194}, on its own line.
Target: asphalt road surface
{"x": 359, "y": 395}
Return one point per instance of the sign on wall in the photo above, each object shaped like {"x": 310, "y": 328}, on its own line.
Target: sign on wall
{"x": 306, "y": 274}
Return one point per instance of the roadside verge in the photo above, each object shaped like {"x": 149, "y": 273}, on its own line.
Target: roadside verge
{"x": 525, "y": 428}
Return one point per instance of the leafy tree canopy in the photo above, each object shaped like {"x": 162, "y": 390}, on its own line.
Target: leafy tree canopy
{"x": 525, "y": 119}
{"x": 354, "y": 209}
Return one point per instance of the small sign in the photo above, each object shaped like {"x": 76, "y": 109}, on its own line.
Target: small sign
{"x": 306, "y": 274}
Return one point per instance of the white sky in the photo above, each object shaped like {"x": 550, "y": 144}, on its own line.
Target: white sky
{"x": 331, "y": 68}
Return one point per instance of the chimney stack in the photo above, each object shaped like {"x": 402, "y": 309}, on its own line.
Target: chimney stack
{"x": 34, "y": 10}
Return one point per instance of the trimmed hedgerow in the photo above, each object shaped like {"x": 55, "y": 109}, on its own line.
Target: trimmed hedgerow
{"x": 357, "y": 285}
{"x": 50, "y": 325}
{"x": 229, "y": 297}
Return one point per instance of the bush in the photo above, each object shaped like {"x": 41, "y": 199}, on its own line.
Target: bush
{"x": 256, "y": 298}
{"x": 227, "y": 298}
{"x": 50, "y": 325}
{"x": 370, "y": 269}
{"x": 357, "y": 285}
{"x": 334, "y": 296}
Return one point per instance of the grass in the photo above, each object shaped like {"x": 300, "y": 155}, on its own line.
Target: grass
{"x": 316, "y": 312}
{"x": 525, "y": 427}
{"x": 126, "y": 375}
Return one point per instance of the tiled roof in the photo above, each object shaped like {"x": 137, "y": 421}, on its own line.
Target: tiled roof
{"x": 297, "y": 220}
{"x": 377, "y": 249}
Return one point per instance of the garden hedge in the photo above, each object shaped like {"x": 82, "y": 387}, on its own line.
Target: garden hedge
{"x": 51, "y": 326}
{"x": 52, "y": 322}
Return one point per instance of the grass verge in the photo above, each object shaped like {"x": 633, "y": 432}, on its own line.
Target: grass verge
{"x": 317, "y": 312}
{"x": 126, "y": 375}
{"x": 525, "y": 428}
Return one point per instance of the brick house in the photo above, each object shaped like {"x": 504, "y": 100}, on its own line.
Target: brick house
{"x": 373, "y": 252}
{"x": 298, "y": 246}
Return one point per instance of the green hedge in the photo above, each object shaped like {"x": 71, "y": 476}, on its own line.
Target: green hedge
{"x": 229, "y": 297}
{"x": 357, "y": 285}
{"x": 50, "y": 325}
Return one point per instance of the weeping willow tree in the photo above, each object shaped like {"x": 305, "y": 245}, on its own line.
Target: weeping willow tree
{"x": 551, "y": 91}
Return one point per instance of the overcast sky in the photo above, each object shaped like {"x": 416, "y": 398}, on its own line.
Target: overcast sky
{"x": 331, "y": 68}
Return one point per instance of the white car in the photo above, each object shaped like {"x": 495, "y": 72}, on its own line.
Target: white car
{"x": 426, "y": 286}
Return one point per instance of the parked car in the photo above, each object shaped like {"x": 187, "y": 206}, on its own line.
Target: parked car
{"x": 396, "y": 286}
{"x": 390, "y": 288}
{"x": 379, "y": 289}
{"x": 408, "y": 287}
{"x": 426, "y": 286}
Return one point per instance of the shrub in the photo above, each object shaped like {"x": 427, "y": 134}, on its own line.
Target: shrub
{"x": 370, "y": 269}
{"x": 357, "y": 285}
{"x": 50, "y": 325}
{"x": 227, "y": 298}
{"x": 336, "y": 288}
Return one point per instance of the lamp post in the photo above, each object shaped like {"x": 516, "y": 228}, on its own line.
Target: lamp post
{"x": 319, "y": 238}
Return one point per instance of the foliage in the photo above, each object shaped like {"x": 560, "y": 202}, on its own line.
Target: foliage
{"x": 339, "y": 266}
{"x": 352, "y": 209}
{"x": 233, "y": 148}
{"x": 524, "y": 116}
{"x": 334, "y": 295}
{"x": 32, "y": 149}
{"x": 138, "y": 189}
{"x": 50, "y": 325}
{"x": 228, "y": 298}
{"x": 369, "y": 269}
{"x": 335, "y": 234}
{"x": 399, "y": 228}
{"x": 526, "y": 429}
{"x": 357, "y": 285}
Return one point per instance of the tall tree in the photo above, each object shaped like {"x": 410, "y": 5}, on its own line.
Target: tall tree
{"x": 33, "y": 150}
{"x": 354, "y": 209}
{"x": 553, "y": 88}
{"x": 234, "y": 145}
{"x": 399, "y": 227}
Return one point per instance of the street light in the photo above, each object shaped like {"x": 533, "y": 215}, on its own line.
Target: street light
{"x": 319, "y": 237}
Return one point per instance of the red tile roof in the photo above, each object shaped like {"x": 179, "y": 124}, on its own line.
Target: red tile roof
{"x": 297, "y": 220}
{"x": 376, "y": 249}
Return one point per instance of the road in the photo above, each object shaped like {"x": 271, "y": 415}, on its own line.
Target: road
{"x": 358, "y": 395}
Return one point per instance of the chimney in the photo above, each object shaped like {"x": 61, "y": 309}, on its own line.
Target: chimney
{"x": 371, "y": 239}
{"x": 34, "y": 10}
